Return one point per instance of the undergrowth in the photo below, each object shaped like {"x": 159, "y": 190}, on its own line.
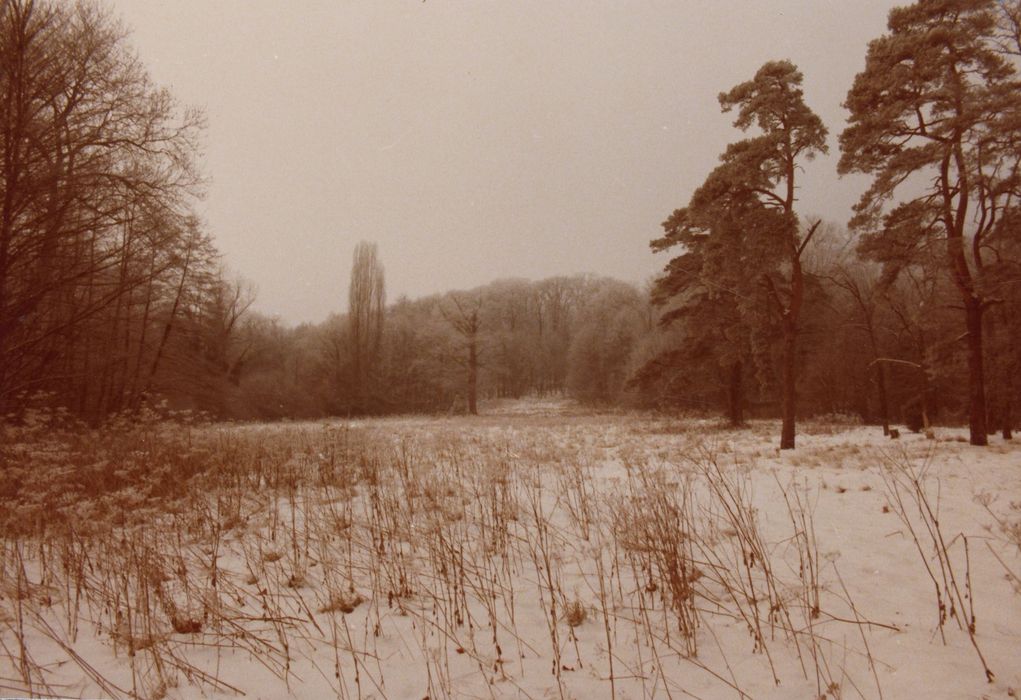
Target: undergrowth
{"x": 313, "y": 553}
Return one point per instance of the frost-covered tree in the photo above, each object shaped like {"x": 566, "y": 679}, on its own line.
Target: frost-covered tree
{"x": 609, "y": 325}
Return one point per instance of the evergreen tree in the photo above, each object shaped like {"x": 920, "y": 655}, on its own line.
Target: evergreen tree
{"x": 708, "y": 293}
{"x": 936, "y": 119}
{"x": 751, "y": 195}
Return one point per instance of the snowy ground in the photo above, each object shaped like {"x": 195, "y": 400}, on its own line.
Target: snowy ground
{"x": 535, "y": 552}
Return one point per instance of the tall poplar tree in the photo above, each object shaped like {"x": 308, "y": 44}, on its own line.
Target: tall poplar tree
{"x": 366, "y": 310}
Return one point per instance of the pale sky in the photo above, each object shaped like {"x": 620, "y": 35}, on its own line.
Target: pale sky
{"x": 475, "y": 140}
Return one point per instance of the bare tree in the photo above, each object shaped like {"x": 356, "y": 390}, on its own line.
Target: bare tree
{"x": 97, "y": 177}
{"x": 862, "y": 285}
{"x": 462, "y": 312}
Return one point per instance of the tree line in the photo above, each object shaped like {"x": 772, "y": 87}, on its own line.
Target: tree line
{"x": 444, "y": 352}
{"x": 112, "y": 295}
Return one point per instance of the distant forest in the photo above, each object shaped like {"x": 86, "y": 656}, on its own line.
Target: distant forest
{"x": 113, "y": 296}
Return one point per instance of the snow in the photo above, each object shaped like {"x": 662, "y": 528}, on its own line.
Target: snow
{"x": 456, "y": 531}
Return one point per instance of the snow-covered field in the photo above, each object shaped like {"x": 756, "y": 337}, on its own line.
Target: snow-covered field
{"x": 534, "y": 552}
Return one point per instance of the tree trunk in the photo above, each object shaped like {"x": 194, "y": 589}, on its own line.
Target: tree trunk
{"x": 171, "y": 318}
{"x": 884, "y": 404}
{"x": 473, "y": 377}
{"x": 133, "y": 386}
{"x": 789, "y": 399}
{"x": 976, "y": 379}
{"x": 1008, "y": 419}
{"x": 735, "y": 398}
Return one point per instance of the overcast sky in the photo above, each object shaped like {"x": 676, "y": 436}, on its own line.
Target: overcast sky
{"x": 475, "y": 140}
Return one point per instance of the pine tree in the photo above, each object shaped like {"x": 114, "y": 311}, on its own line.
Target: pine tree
{"x": 936, "y": 119}
{"x": 752, "y": 193}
